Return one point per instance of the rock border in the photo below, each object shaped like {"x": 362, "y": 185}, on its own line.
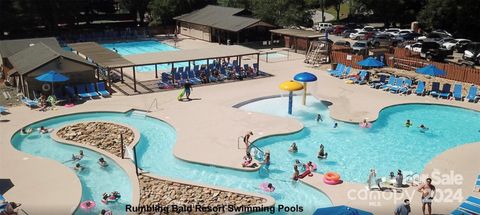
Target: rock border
{"x": 141, "y": 194}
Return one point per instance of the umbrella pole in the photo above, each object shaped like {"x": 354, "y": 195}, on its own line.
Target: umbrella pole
{"x": 290, "y": 101}
{"x": 304, "y": 101}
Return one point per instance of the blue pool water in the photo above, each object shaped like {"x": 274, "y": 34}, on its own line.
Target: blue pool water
{"x": 95, "y": 180}
{"x": 387, "y": 146}
{"x": 148, "y": 46}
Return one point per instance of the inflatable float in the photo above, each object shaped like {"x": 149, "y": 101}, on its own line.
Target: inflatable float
{"x": 87, "y": 205}
{"x": 181, "y": 95}
{"x": 305, "y": 174}
{"x": 264, "y": 187}
{"x": 331, "y": 178}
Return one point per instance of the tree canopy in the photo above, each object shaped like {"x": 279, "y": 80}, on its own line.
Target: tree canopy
{"x": 457, "y": 16}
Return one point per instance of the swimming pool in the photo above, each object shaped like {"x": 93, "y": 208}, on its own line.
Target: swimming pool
{"x": 387, "y": 146}
{"x": 154, "y": 153}
{"x": 146, "y": 46}
{"x": 95, "y": 180}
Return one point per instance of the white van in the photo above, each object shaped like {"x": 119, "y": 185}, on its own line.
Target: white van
{"x": 323, "y": 26}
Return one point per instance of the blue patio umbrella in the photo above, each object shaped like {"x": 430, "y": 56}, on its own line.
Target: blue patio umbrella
{"x": 341, "y": 210}
{"x": 371, "y": 62}
{"x": 430, "y": 70}
{"x": 52, "y": 77}
{"x": 305, "y": 77}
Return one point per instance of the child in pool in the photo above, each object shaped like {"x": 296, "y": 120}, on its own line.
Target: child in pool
{"x": 293, "y": 148}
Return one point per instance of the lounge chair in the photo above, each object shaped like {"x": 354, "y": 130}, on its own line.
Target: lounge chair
{"x": 257, "y": 71}
{"x": 196, "y": 68}
{"x": 363, "y": 77}
{"x": 165, "y": 82}
{"x": 378, "y": 83}
{"x": 420, "y": 91}
{"x": 473, "y": 200}
{"x": 81, "y": 91}
{"x": 406, "y": 88}
{"x": 70, "y": 91}
{"x": 472, "y": 94}
{"x": 344, "y": 74}
{"x": 445, "y": 93}
{"x": 191, "y": 77}
{"x": 467, "y": 207}
{"x": 457, "y": 92}
{"x": 92, "y": 91}
{"x": 337, "y": 71}
{"x": 30, "y": 103}
{"x": 178, "y": 78}
{"x": 435, "y": 89}
{"x": 360, "y": 75}
{"x": 397, "y": 86}
{"x": 339, "y": 66}
{"x": 102, "y": 90}
{"x": 210, "y": 76}
{"x": 3, "y": 109}
{"x": 391, "y": 82}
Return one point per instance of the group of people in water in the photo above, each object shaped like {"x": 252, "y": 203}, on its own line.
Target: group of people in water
{"x": 422, "y": 127}
{"x": 41, "y": 130}
{"x": 78, "y": 167}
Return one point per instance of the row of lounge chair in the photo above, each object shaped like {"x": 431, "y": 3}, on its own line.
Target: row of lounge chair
{"x": 404, "y": 85}
{"x": 82, "y": 91}
{"x": 343, "y": 72}
{"x": 401, "y": 85}
{"x": 471, "y": 205}
{"x": 87, "y": 91}
{"x": 181, "y": 75}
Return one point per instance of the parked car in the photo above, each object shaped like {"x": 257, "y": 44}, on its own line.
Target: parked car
{"x": 441, "y": 31}
{"x": 323, "y": 26}
{"x": 404, "y": 31}
{"x": 472, "y": 53}
{"x": 362, "y": 35}
{"x": 445, "y": 40}
{"x": 416, "y": 47}
{"x": 342, "y": 43}
{"x": 368, "y": 29}
{"x": 348, "y": 32}
{"x": 451, "y": 45}
{"x": 431, "y": 50}
{"x": 392, "y": 31}
{"x": 436, "y": 36}
{"x": 338, "y": 29}
{"x": 383, "y": 40}
{"x": 462, "y": 47}
{"x": 407, "y": 37}
{"x": 360, "y": 47}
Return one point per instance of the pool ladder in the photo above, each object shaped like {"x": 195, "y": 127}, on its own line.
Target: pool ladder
{"x": 240, "y": 139}
{"x": 412, "y": 179}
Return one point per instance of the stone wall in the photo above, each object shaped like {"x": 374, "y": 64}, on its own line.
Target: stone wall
{"x": 103, "y": 135}
{"x": 155, "y": 191}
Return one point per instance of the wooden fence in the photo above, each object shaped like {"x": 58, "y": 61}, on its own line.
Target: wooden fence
{"x": 346, "y": 58}
{"x": 403, "y": 59}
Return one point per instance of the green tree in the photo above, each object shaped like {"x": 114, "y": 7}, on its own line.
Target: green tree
{"x": 283, "y": 12}
{"x": 247, "y": 4}
{"x": 460, "y": 17}
{"x": 136, "y": 8}
{"x": 163, "y": 11}
{"x": 336, "y": 4}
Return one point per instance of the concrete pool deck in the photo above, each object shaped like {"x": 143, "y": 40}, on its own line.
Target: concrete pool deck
{"x": 208, "y": 129}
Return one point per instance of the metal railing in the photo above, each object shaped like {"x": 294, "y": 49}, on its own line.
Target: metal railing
{"x": 240, "y": 138}
{"x": 154, "y": 102}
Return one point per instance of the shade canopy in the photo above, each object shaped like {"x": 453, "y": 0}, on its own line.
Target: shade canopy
{"x": 305, "y": 77}
{"x": 341, "y": 210}
{"x": 430, "y": 70}
{"x": 52, "y": 76}
{"x": 371, "y": 62}
{"x": 291, "y": 86}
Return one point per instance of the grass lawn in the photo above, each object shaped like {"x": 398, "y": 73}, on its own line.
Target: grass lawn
{"x": 344, "y": 10}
